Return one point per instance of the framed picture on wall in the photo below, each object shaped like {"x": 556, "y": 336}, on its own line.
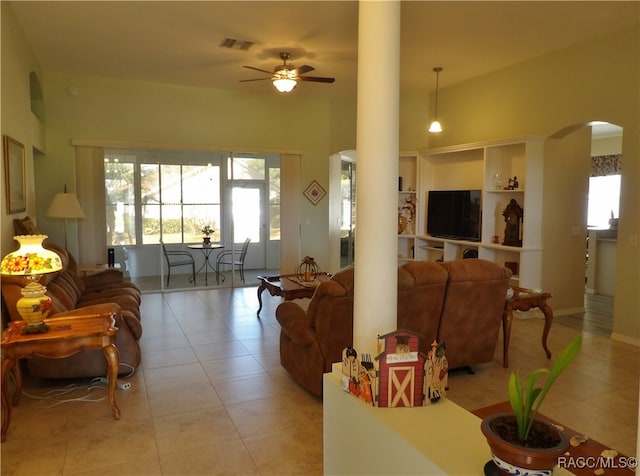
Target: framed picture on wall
{"x": 314, "y": 192}
{"x": 14, "y": 174}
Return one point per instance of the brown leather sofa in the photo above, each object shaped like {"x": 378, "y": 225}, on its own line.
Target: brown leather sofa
{"x": 72, "y": 294}
{"x": 459, "y": 302}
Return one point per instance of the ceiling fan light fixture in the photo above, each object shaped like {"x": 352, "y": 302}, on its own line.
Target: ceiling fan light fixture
{"x": 285, "y": 77}
{"x": 285, "y": 85}
{"x": 285, "y": 80}
{"x": 435, "y": 126}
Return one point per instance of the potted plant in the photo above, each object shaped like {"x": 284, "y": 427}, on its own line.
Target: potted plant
{"x": 207, "y": 231}
{"x": 520, "y": 442}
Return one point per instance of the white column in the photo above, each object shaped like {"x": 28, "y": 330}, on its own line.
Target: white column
{"x": 376, "y": 262}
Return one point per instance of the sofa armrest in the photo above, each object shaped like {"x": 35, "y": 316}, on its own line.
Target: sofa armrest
{"x": 108, "y": 276}
{"x": 295, "y": 323}
{"x": 133, "y": 323}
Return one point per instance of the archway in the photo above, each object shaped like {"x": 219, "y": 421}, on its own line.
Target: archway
{"x": 579, "y": 256}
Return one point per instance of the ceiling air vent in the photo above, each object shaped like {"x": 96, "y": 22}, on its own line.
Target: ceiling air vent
{"x": 232, "y": 43}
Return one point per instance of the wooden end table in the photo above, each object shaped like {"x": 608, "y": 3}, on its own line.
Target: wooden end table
{"x": 283, "y": 285}
{"x": 66, "y": 336}
{"x": 523, "y": 300}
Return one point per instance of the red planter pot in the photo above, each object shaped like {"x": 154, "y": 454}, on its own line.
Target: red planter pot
{"x": 516, "y": 459}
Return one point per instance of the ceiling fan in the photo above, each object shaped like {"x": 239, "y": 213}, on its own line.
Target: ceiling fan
{"x": 285, "y": 77}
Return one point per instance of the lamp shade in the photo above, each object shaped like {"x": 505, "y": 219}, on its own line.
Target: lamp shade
{"x": 65, "y": 205}
{"x": 435, "y": 126}
{"x": 30, "y": 258}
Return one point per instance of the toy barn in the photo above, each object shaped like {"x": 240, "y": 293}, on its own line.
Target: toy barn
{"x": 401, "y": 370}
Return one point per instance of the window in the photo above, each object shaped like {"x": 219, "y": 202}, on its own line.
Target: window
{"x": 119, "y": 199}
{"x": 178, "y": 200}
{"x": 604, "y": 200}
{"x": 178, "y": 193}
{"x": 247, "y": 168}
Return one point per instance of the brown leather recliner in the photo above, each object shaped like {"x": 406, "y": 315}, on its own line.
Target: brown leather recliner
{"x": 310, "y": 342}
{"x": 459, "y": 302}
{"x": 472, "y": 311}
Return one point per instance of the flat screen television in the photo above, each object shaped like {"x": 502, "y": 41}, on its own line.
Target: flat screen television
{"x": 454, "y": 214}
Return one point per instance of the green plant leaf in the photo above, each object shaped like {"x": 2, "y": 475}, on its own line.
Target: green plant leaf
{"x": 526, "y": 401}
{"x": 530, "y": 395}
{"x": 564, "y": 359}
{"x": 515, "y": 398}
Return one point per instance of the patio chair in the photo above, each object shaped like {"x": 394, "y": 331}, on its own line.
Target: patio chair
{"x": 233, "y": 258}
{"x": 177, "y": 258}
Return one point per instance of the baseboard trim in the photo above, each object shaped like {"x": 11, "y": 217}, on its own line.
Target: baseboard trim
{"x": 568, "y": 311}
{"x": 626, "y": 339}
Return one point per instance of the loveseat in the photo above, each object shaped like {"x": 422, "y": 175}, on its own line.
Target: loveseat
{"x": 72, "y": 294}
{"x": 457, "y": 302}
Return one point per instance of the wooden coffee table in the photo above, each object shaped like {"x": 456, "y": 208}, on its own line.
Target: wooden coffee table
{"x": 66, "y": 336}
{"x": 285, "y": 285}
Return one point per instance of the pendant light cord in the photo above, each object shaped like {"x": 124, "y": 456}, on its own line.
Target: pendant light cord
{"x": 437, "y": 69}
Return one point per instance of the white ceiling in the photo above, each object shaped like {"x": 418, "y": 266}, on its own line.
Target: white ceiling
{"x": 179, "y": 42}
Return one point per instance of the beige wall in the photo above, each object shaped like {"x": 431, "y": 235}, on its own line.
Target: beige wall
{"x": 606, "y": 146}
{"x": 565, "y": 191}
{"x": 16, "y": 119}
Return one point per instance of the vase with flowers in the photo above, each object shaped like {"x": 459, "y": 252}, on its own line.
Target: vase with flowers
{"x": 207, "y": 231}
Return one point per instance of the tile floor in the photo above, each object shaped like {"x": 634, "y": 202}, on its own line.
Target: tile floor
{"x": 211, "y": 398}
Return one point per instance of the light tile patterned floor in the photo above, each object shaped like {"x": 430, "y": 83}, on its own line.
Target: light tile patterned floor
{"x": 211, "y": 398}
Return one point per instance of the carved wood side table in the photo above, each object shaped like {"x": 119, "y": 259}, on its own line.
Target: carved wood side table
{"x": 66, "y": 336}
{"x": 523, "y": 300}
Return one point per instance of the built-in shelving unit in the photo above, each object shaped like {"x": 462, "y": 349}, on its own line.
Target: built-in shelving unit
{"x": 407, "y": 205}
{"x": 481, "y": 166}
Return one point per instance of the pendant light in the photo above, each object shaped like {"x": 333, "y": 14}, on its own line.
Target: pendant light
{"x": 435, "y": 126}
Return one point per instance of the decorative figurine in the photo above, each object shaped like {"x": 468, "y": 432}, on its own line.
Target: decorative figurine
{"x": 407, "y": 214}
{"x": 437, "y": 374}
{"x": 308, "y": 270}
{"x": 349, "y": 367}
{"x": 513, "y": 224}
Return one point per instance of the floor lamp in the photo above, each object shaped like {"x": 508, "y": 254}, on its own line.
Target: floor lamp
{"x": 65, "y": 205}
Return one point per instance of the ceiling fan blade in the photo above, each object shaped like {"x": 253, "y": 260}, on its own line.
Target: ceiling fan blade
{"x": 256, "y": 79}
{"x": 305, "y": 68}
{"x": 316, "y": 79}
{"x": 258, "y": 69}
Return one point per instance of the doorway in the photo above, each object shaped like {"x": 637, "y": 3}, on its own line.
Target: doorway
{"x": 248, "y": 216}
{"x": 253, "y": 188}
{"x": 348, "y": 212}
{"x": 602, "y": 225}
{"x": 342, "y": 209}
